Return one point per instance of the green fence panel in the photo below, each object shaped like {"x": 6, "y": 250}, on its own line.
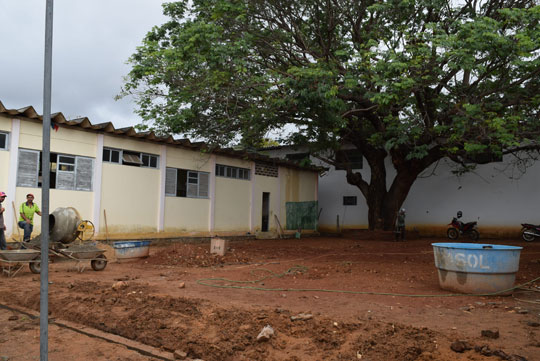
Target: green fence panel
{"x": 302, "y": 215}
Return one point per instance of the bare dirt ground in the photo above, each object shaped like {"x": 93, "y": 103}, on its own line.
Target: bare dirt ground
{"x": 213, "y": 317}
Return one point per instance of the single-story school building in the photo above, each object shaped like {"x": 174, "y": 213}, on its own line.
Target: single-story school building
{"x": 138, "y": 185}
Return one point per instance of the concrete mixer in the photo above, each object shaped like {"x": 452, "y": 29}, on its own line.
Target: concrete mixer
{"x": 66, "y": 227}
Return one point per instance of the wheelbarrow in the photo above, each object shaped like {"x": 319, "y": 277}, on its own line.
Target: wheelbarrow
{"x": 13, "y": 260}
{"x": 66, "y": 227}
{"x": 79, "y": 253}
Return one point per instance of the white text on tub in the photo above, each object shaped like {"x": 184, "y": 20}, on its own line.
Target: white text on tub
{"x": 462, "y": 260}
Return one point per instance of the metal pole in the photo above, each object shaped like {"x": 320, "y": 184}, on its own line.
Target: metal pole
{"x": 45, "y": 166}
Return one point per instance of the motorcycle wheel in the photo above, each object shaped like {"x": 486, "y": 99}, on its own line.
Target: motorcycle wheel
{"x": 526, "y": 237}
{"x": 452, "y": 233}
{"x": 474, "y": 235}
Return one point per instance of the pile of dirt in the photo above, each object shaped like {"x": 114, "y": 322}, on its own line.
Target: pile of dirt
{"x": 209, "y": 332}
{"x": 189, "y": 255}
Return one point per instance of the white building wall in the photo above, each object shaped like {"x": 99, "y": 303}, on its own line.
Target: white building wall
{"x": 332, "y": 188}
{"x": 497, "y": 195}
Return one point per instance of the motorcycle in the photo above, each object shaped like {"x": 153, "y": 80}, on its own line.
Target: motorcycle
{"x": 529, "y": 232}
{"x": 458, "y": 228}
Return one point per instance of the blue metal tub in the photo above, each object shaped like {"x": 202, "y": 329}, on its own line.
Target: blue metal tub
{"x": 131, "y": 249}
{"x": 476, "y": 268}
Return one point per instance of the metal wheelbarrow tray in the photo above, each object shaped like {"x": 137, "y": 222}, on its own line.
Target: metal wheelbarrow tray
{"x": 87, "y": 253}
{"x": 78, "y": 253}
{"x": 19, "y": 255}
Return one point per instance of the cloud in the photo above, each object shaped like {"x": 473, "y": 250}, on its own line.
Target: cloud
{"x": 92, "y": 40}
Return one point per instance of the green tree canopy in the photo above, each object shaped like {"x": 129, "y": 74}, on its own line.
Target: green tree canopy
{"x": 415, "y": 81}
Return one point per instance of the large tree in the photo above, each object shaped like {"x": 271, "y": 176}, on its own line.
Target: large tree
{"x": 405, "y": 80}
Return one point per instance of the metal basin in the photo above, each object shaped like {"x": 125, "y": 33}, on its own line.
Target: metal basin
{"x": 131, "y": 249}
{"x": 19, "y": 255}
{"x": 83, "y": 252}
{"x": 476, "y": 268}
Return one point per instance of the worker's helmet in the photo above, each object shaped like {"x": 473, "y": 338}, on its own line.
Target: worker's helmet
{"x": 402, "y": 210}
{"x": 459, "y": 214}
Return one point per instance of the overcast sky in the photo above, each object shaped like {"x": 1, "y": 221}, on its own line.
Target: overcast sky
{"x": 92, "y": 40}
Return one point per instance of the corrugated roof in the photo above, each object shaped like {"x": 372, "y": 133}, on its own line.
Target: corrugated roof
{"x": 108, "y": 128}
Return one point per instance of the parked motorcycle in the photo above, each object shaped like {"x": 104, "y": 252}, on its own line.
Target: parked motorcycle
{"x": 458, "y": 228}
{"x": 529, "y": 232}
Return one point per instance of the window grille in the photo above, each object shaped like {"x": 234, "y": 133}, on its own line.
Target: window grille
{"x": 228, "y": 171}
{"x": 267, "y": 170}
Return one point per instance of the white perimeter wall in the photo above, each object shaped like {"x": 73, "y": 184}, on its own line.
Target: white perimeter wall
{"x": 497, "y": 195}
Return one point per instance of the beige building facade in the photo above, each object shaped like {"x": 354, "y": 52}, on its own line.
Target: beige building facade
{"x": 138, "y": 185}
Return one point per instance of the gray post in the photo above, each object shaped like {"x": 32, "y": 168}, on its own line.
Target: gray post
{"x": 45, "y": 185}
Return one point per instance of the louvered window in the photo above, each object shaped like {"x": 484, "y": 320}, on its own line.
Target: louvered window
{"x": 170, "y": 182}
{"x": 84, "y": 171}
{"x": 68, "y": 172}
{"x": 204, "y": 179}
{"x": 129, "y": 158}
{"x": 186, "y": 183}
{"x": 28, "y": 169}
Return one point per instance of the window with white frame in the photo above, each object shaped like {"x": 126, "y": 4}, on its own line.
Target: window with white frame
{"x": 111, "y": 155}
{"x": 4, "y": 138}
{"x": 149, "y": 160}
{"x": 228, "y": 171}
{"x": 67, "y": 172}
{"x": 186, "y": 183}
{"x": 131, "y": 158}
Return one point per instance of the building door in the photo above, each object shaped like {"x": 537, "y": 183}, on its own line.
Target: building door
{"x": 265, "y": 211}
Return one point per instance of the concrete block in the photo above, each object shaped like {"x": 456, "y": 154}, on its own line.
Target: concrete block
{"x": 218, "y": 246}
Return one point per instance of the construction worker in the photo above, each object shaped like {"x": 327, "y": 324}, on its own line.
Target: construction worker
{"x": 3, "y": 244}
{"x": 400, "y": 225}
{"x": 26, "y": 221}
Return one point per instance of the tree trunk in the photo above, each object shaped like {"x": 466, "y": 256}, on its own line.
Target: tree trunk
{"x": 384, "y": 205}
{"x": 375, "y": 191}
